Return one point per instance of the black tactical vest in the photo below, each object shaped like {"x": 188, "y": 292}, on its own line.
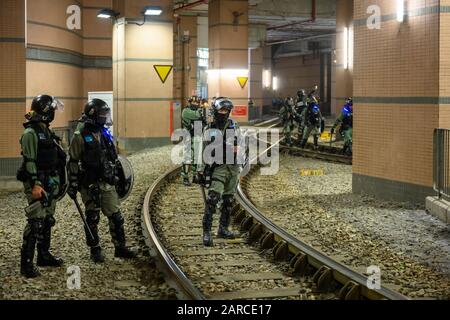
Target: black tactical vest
{"x": 313, "y": 118}
{"x": 47, "y": 150}
{"x": 99, "y": 154}
{"x": 347, "y": 122}
{"x": 230, "y": 127}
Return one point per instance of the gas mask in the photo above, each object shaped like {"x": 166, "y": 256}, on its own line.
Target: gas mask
{"x": 221, "y": 118}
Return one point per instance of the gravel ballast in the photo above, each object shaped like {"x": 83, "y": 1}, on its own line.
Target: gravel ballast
{"x": 411, "y": 248}
{"x": 116, "y": 278}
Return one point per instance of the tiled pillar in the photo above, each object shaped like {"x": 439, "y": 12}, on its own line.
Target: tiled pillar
{"x": 256, "y": 64}
{"x": 144, "y": 102}
{"x": 12, "y": 83}
{"x": 342, "y": 78}
{"x": 444, "y": 64}
{"x": 186, "y": 57}
{"x": 74, "y": 62}
{"x": 399, "y": 82}
{"x": 228, "y": 53}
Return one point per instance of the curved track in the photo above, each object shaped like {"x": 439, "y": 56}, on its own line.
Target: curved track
{"x": 266, "y": 263}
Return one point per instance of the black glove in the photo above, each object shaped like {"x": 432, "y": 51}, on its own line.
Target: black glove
{"x": 332, "y": 131}
{"x": 73, "y": 189}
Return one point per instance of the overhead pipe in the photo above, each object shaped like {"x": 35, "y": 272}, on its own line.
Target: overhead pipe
{"x": 300, "y": 39}
{"x": 312, "y": 20}
{"x": 190, "y": 5}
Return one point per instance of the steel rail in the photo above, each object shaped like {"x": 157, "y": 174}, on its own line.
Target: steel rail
{"x": 352, "y": 281}
{"x": 184, "y": 285}
{"x": 341, "y": 273}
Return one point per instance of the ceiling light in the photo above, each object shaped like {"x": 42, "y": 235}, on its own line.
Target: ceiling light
{"x": 152, "y": 11}
{"x": 107, "y": 14}
{"x": 400, "y": 10}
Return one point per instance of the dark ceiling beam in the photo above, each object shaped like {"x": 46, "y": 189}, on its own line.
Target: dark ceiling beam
{"x": 189, "y": 5}
{"x": 311, "y": 20}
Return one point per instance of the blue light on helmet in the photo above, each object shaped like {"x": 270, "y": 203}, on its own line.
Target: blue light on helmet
{"x": 108, "y": 134}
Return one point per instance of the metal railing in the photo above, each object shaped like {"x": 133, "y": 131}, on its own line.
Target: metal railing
{"x": 441, "y": 162}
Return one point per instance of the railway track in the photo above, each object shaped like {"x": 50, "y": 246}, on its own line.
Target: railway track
{"x": 265, "y": 263}
{"x": 323, "y": 153}
{"x": 326, "y": 153}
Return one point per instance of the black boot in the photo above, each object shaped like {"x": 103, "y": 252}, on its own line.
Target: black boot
{"x": 117, "y": 231}
{"x": 316, "y": 142}
{"x": 185, "y": 175}
{"x": 207, "y": 225}
{"x": 303, "y": 143}
{"x": 32, "y": 232}
{"x": 210, "y": 208}
{"x": 97, "y": 254}
{"x": 92, "y": 238}
{"x": 186, "y": 182}
{"x": 195, "y": 179}
{"x": 44, "y": 257}
{"x": 225, "y": 219}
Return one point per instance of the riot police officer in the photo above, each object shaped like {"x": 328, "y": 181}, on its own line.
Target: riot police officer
{"x": 191, "y": 115}
{"x": 287, "y": 119}
{"x": 42, "y": 173}
{"x": 345, "y": 119}
{"x": 222, "y": 170}
{"x": 300, "y": 105}
{"x": 92, "y": 171}
{"x": 313, "y": 122}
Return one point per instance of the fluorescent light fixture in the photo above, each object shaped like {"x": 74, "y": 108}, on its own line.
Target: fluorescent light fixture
{"x": 107, "y": 14}
{"x": 152, "y": 11}
{"x": 346, "y": 46}
{"x": 400, "y": 10}
{"x": 350, "y": 48}
{"x": 275, "y": 83}
{"x": 266, "y": 78}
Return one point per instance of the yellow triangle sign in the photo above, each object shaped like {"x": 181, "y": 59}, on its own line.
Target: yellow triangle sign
{"x": 242, "y": 81}
{"x": 163, "y": 71}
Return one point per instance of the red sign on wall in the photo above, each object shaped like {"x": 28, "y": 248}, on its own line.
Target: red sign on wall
{"x": 239, "y": 111}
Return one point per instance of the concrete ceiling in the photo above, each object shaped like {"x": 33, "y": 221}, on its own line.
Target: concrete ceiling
{"x": 281, "y": 20}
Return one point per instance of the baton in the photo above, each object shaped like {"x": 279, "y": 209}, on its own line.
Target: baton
{"x": 77, "y": 204}
{"x": 202, "y": 188}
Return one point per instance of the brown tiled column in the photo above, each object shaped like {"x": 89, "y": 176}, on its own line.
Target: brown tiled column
{"x": 185, "y": 45}
{"x": 444, "y": 64}
{"x": 144, "y": 113}
{"x": 12, "y": 83}
{"x": 342, "y": 78}
{"x": 256, "y": 82}
{"x": 228, "y": 53}
{"x": 399, "y": 82}
{"x": 295, "y": 73}
{"x": 74, "y": 62}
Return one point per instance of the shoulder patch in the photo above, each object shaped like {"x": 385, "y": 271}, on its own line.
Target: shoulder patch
{"x": 232, "y": 124}
{"x": 42, "y": 136}
{"x": 88, "y": 138}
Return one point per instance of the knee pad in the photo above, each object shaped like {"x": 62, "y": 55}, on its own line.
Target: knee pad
{"x": 92, "y": 217}
{"x": 36, "y": 227}
{"x": 228, "y": 200}
{"x": 213, "y": 198}
{"x": 49, "y": 221}
{"x": 117, "y": 218}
